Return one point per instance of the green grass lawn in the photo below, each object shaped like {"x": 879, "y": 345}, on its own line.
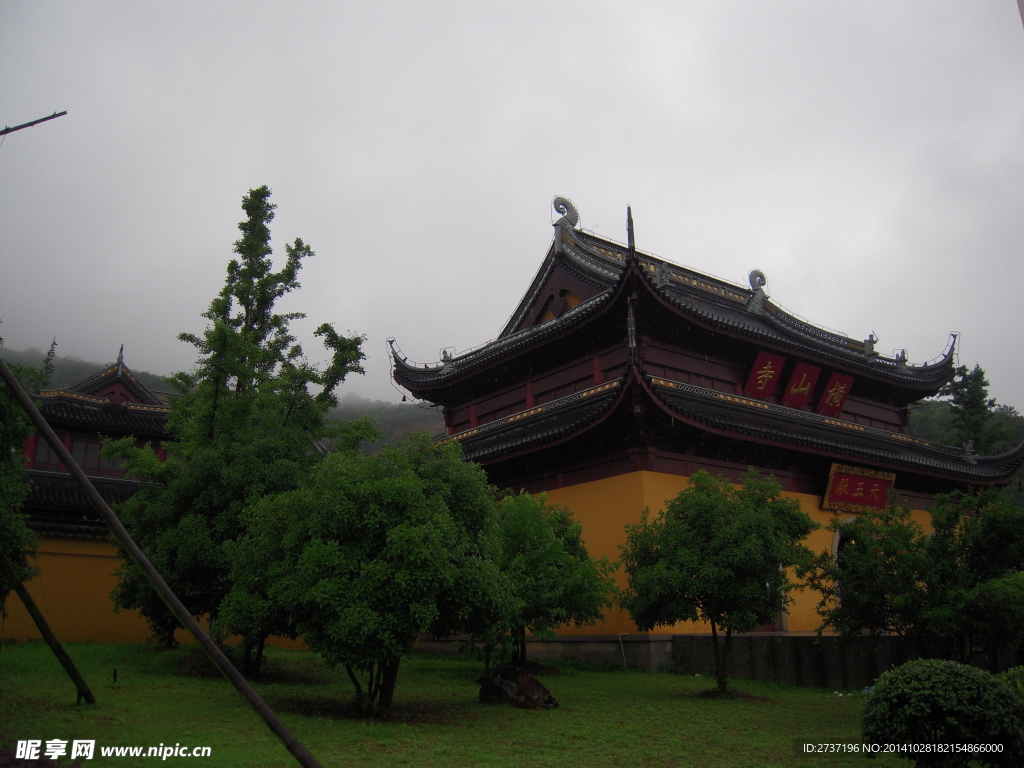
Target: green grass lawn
{"x": 609, "y": 718}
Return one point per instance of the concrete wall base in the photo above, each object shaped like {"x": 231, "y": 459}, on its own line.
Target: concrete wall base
{"x": 633, "y": 651}
{"x": 803, "y": 660}
{"x": 800, "y": 660}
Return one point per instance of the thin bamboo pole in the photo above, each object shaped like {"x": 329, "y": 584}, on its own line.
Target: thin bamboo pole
{"x": 293, "y": 745}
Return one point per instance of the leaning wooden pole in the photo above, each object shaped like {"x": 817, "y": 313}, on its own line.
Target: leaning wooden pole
{"x": 44, "y": 629}
{"x": 298, "y": 750}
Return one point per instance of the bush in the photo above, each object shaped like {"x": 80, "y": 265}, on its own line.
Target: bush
{"x": 1014, "y": 677}
{"x": 932, "y": 701}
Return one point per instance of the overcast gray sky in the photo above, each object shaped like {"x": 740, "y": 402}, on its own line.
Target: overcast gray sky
{"x": 867, "y": 156}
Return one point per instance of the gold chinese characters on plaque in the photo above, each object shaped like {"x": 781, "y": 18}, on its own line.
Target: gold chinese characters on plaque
{"x": 852, "y": 489}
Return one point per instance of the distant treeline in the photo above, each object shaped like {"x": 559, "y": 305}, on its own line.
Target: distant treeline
{"x": 933, "y": 420}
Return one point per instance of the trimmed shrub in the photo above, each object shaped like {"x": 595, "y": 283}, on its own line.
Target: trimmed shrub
{"x": 931, "y": 701}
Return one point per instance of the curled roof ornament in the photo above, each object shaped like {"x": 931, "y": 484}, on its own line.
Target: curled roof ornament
{"x": 757, "y": 283}
{"x": 570, "y": 216}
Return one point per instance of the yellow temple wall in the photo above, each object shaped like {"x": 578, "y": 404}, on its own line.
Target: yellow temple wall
{"x": 72, "y": 591}
{"x": 73, "y": 587}
{"x": 605, "y": 507}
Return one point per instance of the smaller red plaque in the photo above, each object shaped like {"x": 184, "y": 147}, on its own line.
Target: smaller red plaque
{"x": 852, "y": 489}
{"x": 766, "y": 371}
{"x": 833, "y": 397}
{"x": 801, "y": 384}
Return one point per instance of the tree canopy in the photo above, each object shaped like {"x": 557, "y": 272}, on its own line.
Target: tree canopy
{"x": 247, "y": 424}
{"x": 555, "y": 580}
{"x": 371, "y": 553}
{"x": 952, "y": 593}
{"x": 718, "y": 554}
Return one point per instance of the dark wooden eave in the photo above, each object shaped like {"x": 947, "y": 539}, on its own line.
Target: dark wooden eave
{"x": 768, "y": 423}
{"x": 58, "y": 507}
{"x": 543, "y": 425}
{"x": 83, "y": 412}
{"x": 737, "y": 418}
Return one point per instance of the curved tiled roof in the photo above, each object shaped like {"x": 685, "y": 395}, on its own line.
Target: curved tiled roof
{"x": 119, "y": 373}
{"x": 708, "y": 300}
{"x": 413, "y": 375}
{"x": 790, "y": 333}
{"x": 81, "y": 405}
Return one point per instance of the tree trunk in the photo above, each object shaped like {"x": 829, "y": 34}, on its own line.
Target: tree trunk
{"x": 723, "y": 677}
{"x": 718, "y": 658}
{"x": 386, "y": 689}
{"x": 355, "y": 684}
{"x": 259, "y": 654}
{"x": 247, "y": 665}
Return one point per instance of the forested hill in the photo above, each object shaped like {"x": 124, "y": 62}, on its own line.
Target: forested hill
{"x": 71, "y": 370}
{"x": 392, "y": 419}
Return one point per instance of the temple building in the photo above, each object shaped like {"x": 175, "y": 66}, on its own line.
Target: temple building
{"x": 76, "y": 559}
{"x": 620, "y": 374}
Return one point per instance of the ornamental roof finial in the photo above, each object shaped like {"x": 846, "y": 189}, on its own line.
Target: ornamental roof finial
{"x": 120, "y": 361}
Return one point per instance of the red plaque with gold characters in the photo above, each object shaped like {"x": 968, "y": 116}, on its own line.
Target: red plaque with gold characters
{"x": 833, "y": 397}
{"x": 852, "y": 489}
{"x": 763, "y": 376}
{"x": 801, "y": 384}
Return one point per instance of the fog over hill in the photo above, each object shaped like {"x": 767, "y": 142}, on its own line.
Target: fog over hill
{"x": 68, "y": 370}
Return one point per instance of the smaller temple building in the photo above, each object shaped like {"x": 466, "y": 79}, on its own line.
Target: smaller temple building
{"x": 620, "y": 374}
{"x": 76, "y": 559}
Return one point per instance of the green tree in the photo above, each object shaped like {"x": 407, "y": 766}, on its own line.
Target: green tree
{"x": 246, "y": 425}
{"x": 555, "y": 580}
{"x": 968, "y": 416}
{"x": 952, "y": 593}
{"x": 877, "y": 580}
{"x": 372, "y": 552}
{"x": 17, "y": 541}
{"x": 718, "y": 554}
{"x": 972, "y": 420}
